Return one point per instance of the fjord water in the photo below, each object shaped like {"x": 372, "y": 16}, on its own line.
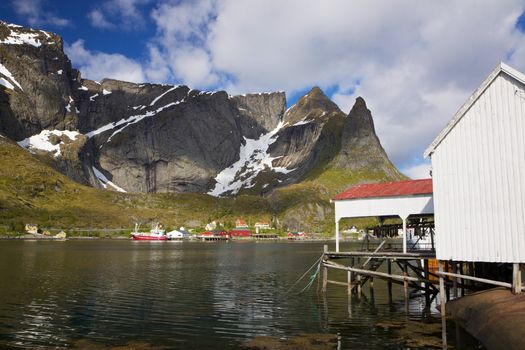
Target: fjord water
{"x": 185, "y": 296}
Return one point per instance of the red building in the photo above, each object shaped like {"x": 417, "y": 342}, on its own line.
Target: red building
{"x": 240, "y": 233}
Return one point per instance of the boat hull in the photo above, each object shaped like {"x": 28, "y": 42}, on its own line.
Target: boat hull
{"x": 148, "y": 238}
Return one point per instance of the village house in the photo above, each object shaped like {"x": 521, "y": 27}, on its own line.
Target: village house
{"x": 241, "y": 223}
{"x": 262, "y": 225}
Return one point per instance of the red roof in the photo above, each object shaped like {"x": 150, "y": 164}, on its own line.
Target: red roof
{"x": 387, "y": 189}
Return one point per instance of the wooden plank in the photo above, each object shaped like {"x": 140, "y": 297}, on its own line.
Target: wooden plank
{"x": 477, "y": 279}
{"x": 381, "y": 255}
{"x": 373, "y": 273}
{"x": 337, "y": 282}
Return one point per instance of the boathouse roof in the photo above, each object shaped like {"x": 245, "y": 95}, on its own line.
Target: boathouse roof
{"x": 387, "y": 189}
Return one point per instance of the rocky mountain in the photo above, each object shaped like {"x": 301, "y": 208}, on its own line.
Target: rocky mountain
{"x": 161, "y": 138}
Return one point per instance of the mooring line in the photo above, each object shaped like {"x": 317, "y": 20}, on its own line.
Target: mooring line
{"x": 317, "y": 262}
{"x": 312, "y": 278}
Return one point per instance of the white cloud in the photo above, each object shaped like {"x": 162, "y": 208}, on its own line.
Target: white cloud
{"x": 182, "y": 30}
{"x": 98, "y": 19}
{"x": 35, "y": 14}
{"x": 123, "y": 14}
{"x": 418, "y": 171}
{"x": 99, "y": 65}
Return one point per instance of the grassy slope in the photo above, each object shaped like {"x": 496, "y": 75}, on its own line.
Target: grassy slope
{"x": 33, "y": 192}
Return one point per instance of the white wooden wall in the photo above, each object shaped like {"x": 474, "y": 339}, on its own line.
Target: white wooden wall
{"x": 478, "y": 175}
{"x": 403, "y": 206}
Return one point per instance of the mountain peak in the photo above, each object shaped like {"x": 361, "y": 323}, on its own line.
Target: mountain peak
{"x": 312, "y": 105}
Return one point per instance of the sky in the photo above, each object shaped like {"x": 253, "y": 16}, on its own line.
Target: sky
{"x": 414, "y": 62}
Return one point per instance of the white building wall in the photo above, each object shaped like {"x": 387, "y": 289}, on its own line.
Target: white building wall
{"x": 401, "y": 206}
{"x": 479, "y": 179}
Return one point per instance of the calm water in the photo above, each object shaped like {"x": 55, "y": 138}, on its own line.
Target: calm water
{"x": 189, "y": 296}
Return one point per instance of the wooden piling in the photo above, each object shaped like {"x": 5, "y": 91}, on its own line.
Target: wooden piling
{"x": 349, "y": 277}
{"x": 442, "y": 296}
{"x": 389, "y": 283}
{"x": 455, "y": 280}
{"x": 427, "y": 284}
{"x": 325, "y": 271}
{"x": 405, "y": 282}
{"x": 516, "y": 278}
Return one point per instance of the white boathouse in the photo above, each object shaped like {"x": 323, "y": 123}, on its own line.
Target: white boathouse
{"x": 478, "y": 172}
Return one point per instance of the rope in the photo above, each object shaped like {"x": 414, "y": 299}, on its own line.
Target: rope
{"x": 312, "y": 279}
{"x": 317, "y": 262}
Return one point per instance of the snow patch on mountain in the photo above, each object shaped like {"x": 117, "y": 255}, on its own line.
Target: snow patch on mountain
{"x": 42, "y": 141}
{"x": 104, "y": 180}
{"x": 9, "y": 79}
{"x": 253, "y": 158}
{"x": 125, "y": 122}
{"x": 162, "y": 95}
{"x": 15, "y": 38}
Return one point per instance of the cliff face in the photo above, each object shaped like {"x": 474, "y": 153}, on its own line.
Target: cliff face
{"x": 162, "y": 138}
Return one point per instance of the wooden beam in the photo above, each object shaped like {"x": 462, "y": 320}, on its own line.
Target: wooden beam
{"x": 373, "y": 273}
{"x": 477, "y": 279}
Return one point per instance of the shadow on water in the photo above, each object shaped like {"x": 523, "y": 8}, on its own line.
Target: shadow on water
{"x": 125, "y": 295}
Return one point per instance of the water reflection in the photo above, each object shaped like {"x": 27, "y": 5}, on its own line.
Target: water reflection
{"x": 207, "y": 295}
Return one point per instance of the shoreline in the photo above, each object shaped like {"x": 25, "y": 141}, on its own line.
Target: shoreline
{"x": 28, "y": 237}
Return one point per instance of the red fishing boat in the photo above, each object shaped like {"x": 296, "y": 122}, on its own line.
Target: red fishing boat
{"x": 156, "y": 234}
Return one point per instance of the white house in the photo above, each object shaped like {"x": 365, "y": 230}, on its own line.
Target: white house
{"x": 478, "y": 172}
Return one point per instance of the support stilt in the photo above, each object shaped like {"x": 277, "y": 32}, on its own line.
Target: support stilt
{"x": 427, "y": 284}
{"x": 455, "y": 280}
{"x": 325, "y": 272}
{"x": 516, "y": 278}
{"x": 442, "y": 296}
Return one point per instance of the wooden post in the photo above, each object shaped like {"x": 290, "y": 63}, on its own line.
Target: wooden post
{"x": 349, "y": 276}
{"x": 455, "y": 280}
{"x": 447, "y": 288}
{"x": 337, "y": 235}
{"x": 405, "y": 281}
{"x": 405, "y": 238}
{"x": 462, "y": 281}
{"x": 516, "y": 278}
{"x": 427, "y": 285}
{"x": 442, "y": 297}
{"x": 389, "y": 270}
{"x": 359, "y": 286}
{"x": 325, "y": 271}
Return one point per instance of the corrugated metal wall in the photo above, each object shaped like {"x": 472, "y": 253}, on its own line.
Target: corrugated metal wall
{"x": 479, "y": 179}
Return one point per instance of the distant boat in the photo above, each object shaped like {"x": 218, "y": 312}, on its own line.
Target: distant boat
{"x": 156, "y": 234}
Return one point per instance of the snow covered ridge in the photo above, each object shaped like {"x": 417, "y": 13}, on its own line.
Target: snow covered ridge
{"x": 8, "y": 80}
{"x": 104, "y": 180}
{"x": 253, "y": 158}
{"x": 42, "y": 141}
{"x": 19, "y": 35}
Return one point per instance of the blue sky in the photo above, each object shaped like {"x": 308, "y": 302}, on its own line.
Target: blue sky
{"x": 414, "y": 62}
